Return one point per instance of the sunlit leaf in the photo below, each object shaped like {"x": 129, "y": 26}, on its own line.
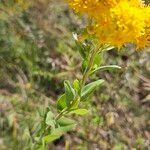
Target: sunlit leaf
{"x": 109, "y": 67}
{"x": 69, "y": 92}
{"x": 76, "y": 85}
{"x": 61, "y": 102}
{"x": 57, "y": 133}
{"x": 88, "y": 89}
{"x": 79, "y": 111}
{"x": 65, "y": 121}
{"x": 50, "y": 119}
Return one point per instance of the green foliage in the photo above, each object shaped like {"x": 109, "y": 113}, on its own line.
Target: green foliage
{"x": 57, "y": 133}
{"x": 109, "y": 67}
{"x": 79, "y": 111}
{"x": 61, "y": 102}
{"x": 88, "y": 89}
{"x": 69, "y": 93}
{"x": 38, "y": 53}
{"x": 76, "y": 85}
{"x": 83, "y": 49}
{"x": 50, "y": 120}
{"x": 65, "y": 121}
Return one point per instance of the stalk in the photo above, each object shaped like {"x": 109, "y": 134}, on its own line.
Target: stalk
{"x": 83, "y": 80}
{"x": 85, "y": 76}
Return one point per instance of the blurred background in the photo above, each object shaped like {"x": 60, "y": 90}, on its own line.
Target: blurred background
{"x": 37, "y": 53}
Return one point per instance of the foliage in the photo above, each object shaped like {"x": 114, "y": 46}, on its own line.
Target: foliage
{"x": 38, "y": 55}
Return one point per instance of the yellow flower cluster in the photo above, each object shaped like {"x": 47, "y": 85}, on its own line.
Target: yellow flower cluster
{"x": 117, "y": 22}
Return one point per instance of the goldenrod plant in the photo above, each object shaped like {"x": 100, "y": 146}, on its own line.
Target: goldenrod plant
{"x": 111, "y": 24}
{"x": 36, "y": 57}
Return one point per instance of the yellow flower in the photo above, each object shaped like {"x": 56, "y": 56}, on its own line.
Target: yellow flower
{"x": 144, "y": 40}
{"x": 117, "y": 22}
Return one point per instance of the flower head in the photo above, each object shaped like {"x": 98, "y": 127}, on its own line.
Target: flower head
{"x": 117, "y": 22}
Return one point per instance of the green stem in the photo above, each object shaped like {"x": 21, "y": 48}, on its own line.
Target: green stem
{"x": 83, "y": 80}
{"x": 89, "y": 67}
{"x": 61, "y": 113}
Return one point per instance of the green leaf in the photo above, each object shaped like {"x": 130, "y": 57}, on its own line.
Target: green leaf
{"x": 69, "y": 92}
{"x": 61, "y": 102}
{"x": 50, "y": 115}
{"x": 79, "y": 111}
{"x": 57, "y": 133}
{"x": 84, "y": 64}
{"x": 109, "y": 67}
{"x": 61, "y": 130}
{"x": 75, "y": 103}
{"x": 82, "y": 50}
{"x": 50, "y": 119}
{"x": 50, "y": 138}
{"x": 65, "y": 121}
{"x": 98, "y": 60}
{"x": 88, "y": 89}
{"x": 76, "y": 85}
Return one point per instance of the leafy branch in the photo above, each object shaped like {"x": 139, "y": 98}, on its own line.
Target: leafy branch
{"x": 75, "y": 93}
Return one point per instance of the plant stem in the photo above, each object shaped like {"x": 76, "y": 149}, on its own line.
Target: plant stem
{"x": 89, "y": 67}
{"x": 83, "y": 80}
{"x": 61, "y": 114}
